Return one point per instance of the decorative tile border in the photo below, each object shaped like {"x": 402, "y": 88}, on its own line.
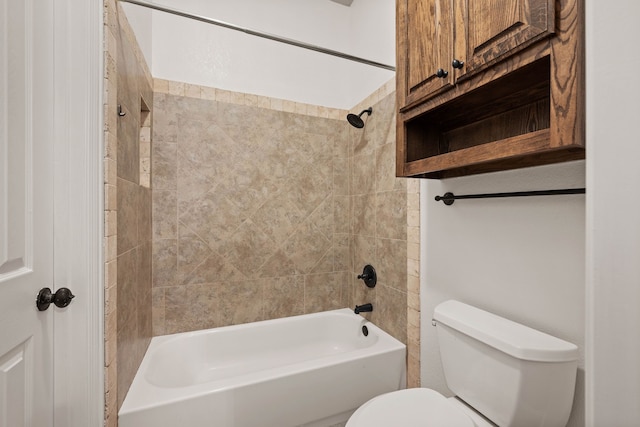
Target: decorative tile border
{"x": 386, "y": 89}
{"x": 240, "y": 98}
{"x": 413, "y": 283}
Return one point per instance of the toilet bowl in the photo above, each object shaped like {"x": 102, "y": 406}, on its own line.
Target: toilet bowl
{"x": 421, "y": 407}
{"x": 502, "y": 373}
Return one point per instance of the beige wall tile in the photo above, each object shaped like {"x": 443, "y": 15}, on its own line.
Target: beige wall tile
{"x": 192, "y": 91}
{"x": 391, "y": 214}
{"x": 413, "y": 201}
{"x": 413, "y": 234}
{"x": 413, "y": 300}
{"x": 392, "y": 262}
{"x": 127, "y": 210}
{"x": 165, "y": 263}
{"x": 237, "y": 98}
{"x": 111, "y": 248}
{"x": 157, "y": 311}
{"x": 127, "y": 215}
{"x": 413, "y": 250}
{"x": 288, "y": 106}
{"x": 164, "y": 161}
{"x": 413, "y": 218}
{"x": 110, "y": 197}
{"x": 110, "y": 223}
{"x": 413, "y": 372}
{"x": 111, "y": 342}
{"x": 391, "y": 311}
{"x": 241, "y": 302}
{"x": 223, "y": 95}
{"x": 250, "y": 100}
{"x": 208, "y": 93}
{"x": 413, "y": 267}
{"x": 336, "y": 114}
{"x": 283, "y": 296}
{"x": 110, "y": 145}
{"x": 413, "y": 285}
{"x": 176, "y": 88}
{"x": 164, "y": 213}
{"x": 263, "y": 219}
{"x": 189, "y": 308}
{"x": 110, "y": 274}
{"x": 276, "y": 104}
{"x": 323, "y": 292}
{"x": 110, "y": 171}
{"x": 160, "y": 86}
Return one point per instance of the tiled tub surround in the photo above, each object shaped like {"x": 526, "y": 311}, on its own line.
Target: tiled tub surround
{"x": 128, "y": 227}
{"x": 265, "y": 208}
{"x": 385, "y": 227}
{"x": 379, "y": 219}
{"x": 251, "y": 210}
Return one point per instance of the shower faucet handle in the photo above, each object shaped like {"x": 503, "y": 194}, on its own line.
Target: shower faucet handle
{"x": 369, "y": 276}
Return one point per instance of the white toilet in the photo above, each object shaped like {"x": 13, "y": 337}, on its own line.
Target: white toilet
{"x": 502, "y": 373}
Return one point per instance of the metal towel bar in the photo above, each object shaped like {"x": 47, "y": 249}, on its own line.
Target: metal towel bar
{"x": 448, "y": 198}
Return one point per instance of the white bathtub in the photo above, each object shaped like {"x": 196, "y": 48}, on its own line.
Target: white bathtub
{"x": 311, "y": 370}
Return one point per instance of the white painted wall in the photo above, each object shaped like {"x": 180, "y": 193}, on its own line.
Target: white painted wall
{"x": 500, "y": 275}
{"x": 613, "y": 214}
{"x": 140, "y": 20}
{"x": 198, "y": 53}
{"x": 521, "y": 258}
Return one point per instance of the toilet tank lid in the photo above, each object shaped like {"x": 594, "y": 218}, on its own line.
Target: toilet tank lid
{"x": 505, "y": 335}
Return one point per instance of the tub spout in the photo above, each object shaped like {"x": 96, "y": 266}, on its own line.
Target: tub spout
{"x": 363, "y": 308}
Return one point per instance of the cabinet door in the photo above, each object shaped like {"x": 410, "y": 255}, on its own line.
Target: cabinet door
{"x": 425, "y": 45}
{"x": 496, "y": 29}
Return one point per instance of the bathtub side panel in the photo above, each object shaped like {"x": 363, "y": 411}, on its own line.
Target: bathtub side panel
{"x": 300, "y": 398}
{"x": 320, "y": 393}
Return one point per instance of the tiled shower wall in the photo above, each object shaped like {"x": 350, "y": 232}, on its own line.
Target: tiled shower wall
{"x": 385, "y": 227}
{"x": 128, "y": 328}
{"x": 250, "y": 209}
{"x": 262, "y": 208}
{"x": 265, "y": 209}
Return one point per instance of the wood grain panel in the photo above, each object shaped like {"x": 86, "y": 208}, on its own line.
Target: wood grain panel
{"x": 567, "y": 76}
{"x": 518, "y": 100}
{"x": 425, "y": 34}
{"x": 500, "y": 28}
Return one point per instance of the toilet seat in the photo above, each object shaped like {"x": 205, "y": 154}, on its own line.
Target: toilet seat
{"x": 419, "y": 407}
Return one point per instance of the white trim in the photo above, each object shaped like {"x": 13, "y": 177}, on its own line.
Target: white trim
{"x": 589, "y": 234}
{"x": 79, "y": 212}
{"x": 612, "y": 329}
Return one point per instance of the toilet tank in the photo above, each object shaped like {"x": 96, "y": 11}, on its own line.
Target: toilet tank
{"x": 510, "y": 373}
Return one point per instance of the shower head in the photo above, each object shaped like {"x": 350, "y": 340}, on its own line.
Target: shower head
{"x": 356, "y": 121}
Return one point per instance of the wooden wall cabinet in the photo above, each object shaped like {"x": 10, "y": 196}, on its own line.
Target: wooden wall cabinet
{"x": 487, "y": 85}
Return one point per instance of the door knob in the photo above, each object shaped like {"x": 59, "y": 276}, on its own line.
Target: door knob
{"x": 441, "y": 73}
{"x": 457, "y": 63}
{"x": 61, "y": 298}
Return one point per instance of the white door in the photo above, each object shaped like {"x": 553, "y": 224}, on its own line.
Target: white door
{"x": 26, "y": 212}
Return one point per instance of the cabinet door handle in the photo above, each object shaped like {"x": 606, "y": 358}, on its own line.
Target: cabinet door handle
{"x": 457, "y": 63}
{"x": 441, "y": 73}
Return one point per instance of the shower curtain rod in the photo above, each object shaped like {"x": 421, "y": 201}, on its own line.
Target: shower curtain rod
{"x": 258, "y": 33}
